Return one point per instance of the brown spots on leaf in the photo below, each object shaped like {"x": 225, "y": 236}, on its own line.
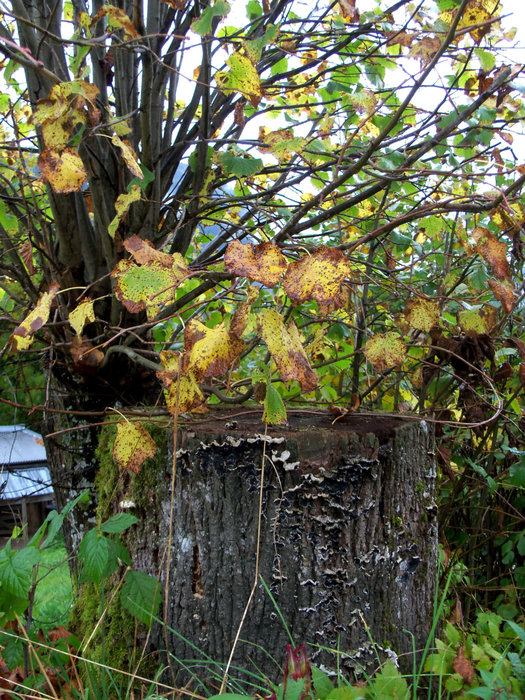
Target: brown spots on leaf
{"x": 319, "y": 277}
{"x": 263, "y": 263}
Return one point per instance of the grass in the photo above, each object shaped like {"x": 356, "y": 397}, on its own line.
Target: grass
{"x": 54, "y": 592}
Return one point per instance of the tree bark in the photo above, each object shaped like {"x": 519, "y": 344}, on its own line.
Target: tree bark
{"x": 348, "y": 540}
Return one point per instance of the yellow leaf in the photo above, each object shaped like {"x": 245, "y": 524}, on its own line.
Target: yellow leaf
{"x": 122, "y": 204}
{"x": 128, "y": 155}
{"x": 133, "y": 445}
{"x": 63, "y": 170}
{"x": 279, "y": 142}
{"x": 151, "y": 284}
{"x": 181, "y": 396}
{"x": 209, "y": 352}
{"x": 422, "y": 314}
{"x": 385, "y": 351}
{"x": 481, "y": 321}
{"x": 262, "y": 263}
{"x": 242, "y": 77}
{"x": 117, "y": 18}
{"x": 23, "y": 335}
{"x": 320, "y": 277}
{"x": 82, "y": 314}
{"x": 284, "y": 345}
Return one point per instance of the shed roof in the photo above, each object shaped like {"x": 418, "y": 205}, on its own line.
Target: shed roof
{"x": 20, "y": 446}
{"x": 24, "y": 483}
{"x": 23, "y": 470}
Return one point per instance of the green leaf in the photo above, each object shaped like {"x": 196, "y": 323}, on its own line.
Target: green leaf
{"x": 240, "y": 166}
{"x": 11, "y": 605}
{"x": 16, "y": 570}
{"x": 274, "y": 409}
{"x": 141, "y": 595}
{"x": 517, "y": 474}
{"x": 119, "y": 522}
{"x": 13, "y": 651}
{"x": 204, "y": 24}
{"x": 323, "y": 686}
{"x": 94, "y": 554}
{"x": 486, "y": 58}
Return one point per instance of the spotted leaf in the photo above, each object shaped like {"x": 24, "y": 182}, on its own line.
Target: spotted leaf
{"x": 209, "y": 352}
{"x": 422, "y": 314}
{"x": 284, "y": 345}
{"x": 23, "y": 335}
{"x": 385, "y": 351}
{"x": 318, "y": 277}
{"x": 262, "y": 263}
{"x": 133, "y": 445}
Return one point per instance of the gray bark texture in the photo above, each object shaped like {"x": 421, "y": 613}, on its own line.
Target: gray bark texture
{"x": 348, "y": 540}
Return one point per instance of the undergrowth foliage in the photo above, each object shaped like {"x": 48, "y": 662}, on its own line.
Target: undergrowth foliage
{"x": 253, "y": 204}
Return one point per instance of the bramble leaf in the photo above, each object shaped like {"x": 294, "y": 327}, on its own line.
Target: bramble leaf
{"x": 133, "y": 445}
{"x": 141, "y": 595}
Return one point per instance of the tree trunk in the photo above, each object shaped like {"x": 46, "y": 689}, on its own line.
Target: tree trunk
{"x": 348, "y": 540}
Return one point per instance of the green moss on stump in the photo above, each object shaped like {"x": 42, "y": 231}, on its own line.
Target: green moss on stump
{"x": 113, "y": 643}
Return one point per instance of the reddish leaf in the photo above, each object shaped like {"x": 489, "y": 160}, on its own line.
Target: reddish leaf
{"x": 516, "y": 343}
{"x": 26, "y": 253}
{"x": 242, "y": 313}
{"x": 463, "y": 666}
{"x": 504, "y": 293}
{"x": 494, "y": 252}
{"x": 86, "y": 358}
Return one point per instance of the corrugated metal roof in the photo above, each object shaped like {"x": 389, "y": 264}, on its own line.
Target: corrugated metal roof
{"x": 25, "y": 482}
{"x": 19, "y": 445}
{"x": 23, "y": 470}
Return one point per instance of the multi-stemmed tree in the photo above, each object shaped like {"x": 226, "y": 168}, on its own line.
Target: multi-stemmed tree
{"x": 274, "y": 201}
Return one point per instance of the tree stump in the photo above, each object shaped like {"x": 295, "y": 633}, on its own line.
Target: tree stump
{"x": 348, "y": 540}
